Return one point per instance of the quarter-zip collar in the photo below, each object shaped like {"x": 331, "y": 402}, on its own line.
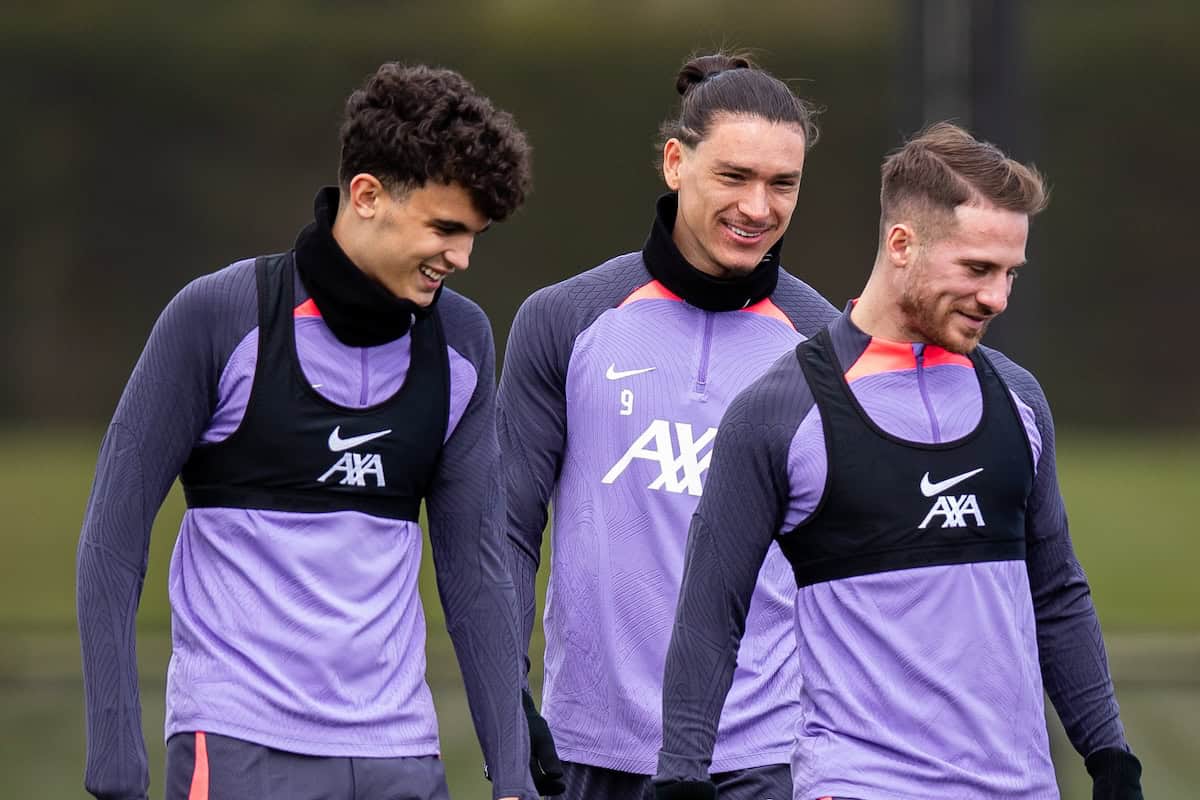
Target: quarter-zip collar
{"x": 851, "y": 343}
{"x": 360, "y": 311}
{"x": 668, "y": 266}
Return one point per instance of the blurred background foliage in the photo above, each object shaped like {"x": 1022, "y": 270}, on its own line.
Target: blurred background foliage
{"x": 150, "y": 142}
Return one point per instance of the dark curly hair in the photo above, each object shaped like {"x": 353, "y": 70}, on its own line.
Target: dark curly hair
{"x": 411, "y": 124}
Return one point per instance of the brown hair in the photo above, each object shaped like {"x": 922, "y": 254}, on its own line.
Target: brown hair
{"x": 944, "y": 167}
{"x": 410, "y": 125}
{"x": 730, "y": 83}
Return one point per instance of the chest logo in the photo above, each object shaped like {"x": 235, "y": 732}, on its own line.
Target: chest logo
{"x": 355, "y": 467}
{"x": 613, "y": 375}
{"x": 954, "y": 509}
{"x": 337, "y": 444}
{"x": 930, "y": 489}
{"x": 680, "y": 471}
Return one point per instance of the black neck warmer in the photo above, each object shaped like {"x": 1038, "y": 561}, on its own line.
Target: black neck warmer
{"x": 669, "y": 267}
{"x": 359, "y": 311}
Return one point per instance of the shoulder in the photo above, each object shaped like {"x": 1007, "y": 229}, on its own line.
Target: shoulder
{"x": 1019, "y": 380}
{"x": 808, "y": 310}
{"x": 468, "y": 329}
{"x": 214, "y": 311}
{"x": 776, "y": 402}
{"x": 572, "y": 304}
{"x": 226, "y": 290}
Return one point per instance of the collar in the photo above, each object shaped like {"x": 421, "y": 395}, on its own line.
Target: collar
{"x": 359, "y": 310}
{"x": 668, "y": 266}
{"x": 861, "y": 354}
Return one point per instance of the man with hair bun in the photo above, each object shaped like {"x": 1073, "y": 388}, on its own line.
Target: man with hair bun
{"x": 613, "y": 383}
{"x": 908, "y": 476}
{"x": 310, "y": 400}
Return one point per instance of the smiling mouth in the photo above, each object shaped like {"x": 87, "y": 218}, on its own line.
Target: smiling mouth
{"x": 975, "y": 321}
{"x": 745, "y": 233}
{"x": 436, "y": 277}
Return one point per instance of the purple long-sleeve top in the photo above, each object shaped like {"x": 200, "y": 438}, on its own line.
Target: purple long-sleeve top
{"x": 916, "y": 683}
{"x": 299, "y": 631}
{"x": 613, "y": 384}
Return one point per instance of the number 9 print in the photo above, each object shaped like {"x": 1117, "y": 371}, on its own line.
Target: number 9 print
{"x": 626, "y": 402}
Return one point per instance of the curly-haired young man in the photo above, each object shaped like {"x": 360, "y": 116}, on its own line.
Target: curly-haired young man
{"x": 309, "y": 401}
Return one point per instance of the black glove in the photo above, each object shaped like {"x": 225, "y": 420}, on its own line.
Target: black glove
{"x": 1116, "y": 774}
{"x": 544, "y": 765}
{"x": 685, "y": 790}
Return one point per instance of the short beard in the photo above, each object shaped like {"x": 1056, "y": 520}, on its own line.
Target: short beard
{"x": 928, "y": 326}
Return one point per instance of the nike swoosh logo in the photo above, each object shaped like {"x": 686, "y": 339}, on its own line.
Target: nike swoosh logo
{"x": 337, "y": 444}
{"x": 930, "y": 489}
{"x": 613, "y": 375}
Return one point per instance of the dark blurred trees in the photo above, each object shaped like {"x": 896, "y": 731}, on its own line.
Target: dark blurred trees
{"x": 148, "y": 143}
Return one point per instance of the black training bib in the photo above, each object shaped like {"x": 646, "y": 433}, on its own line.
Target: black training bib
{"x": 297, "y": 451}
{"x": 890, "y": 504}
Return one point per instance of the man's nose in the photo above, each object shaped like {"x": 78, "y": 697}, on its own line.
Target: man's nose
{"x": 459, "y": 255}
{"x": 993, "y": 295}
{"x": 753, "y": 203}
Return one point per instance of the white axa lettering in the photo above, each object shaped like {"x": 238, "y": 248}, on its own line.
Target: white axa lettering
{"x": 357, "y": 467}
{"x": 680, "y": 472}
{"x": 955, "y": 510}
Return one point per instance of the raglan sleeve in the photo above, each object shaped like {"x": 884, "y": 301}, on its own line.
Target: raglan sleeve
{"x": 532, "y": 424}
{"x": 1074, "y": 664}
{"x": 741, "y": 510}
{"x": 466, "y": 519}
{"x": 162, "y": 412}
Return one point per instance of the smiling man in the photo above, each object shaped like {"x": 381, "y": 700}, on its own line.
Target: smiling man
{"x": 908, "y": 476}
{"x": 310, "y": 401}
{"x": 613, "y": 384}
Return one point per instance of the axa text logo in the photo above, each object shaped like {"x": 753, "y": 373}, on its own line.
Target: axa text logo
{"x": 355, "y": 467}
{"x": 679, "y": 470}
{"x": 953, "y": 509}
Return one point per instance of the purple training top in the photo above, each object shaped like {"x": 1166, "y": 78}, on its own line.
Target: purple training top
{"x": 612, "y": 389}
{"x": 917, "y": 683}
{"x": 299, "y": 631}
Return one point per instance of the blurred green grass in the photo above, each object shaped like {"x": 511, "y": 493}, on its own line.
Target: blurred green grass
{"x": 1131, "y": 520}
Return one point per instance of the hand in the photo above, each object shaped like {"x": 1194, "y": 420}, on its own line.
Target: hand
{"x": 544, "y": 764}
{"x": 1116, "y": 774}
{"x": 685, "y": 790}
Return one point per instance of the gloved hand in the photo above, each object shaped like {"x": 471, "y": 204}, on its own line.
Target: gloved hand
{"x": 685, "y": 790}
{"x": 544, "y": 765}
{"x": 1116, "y": 774}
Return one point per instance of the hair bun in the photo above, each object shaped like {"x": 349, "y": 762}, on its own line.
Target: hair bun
{"x": 701, "y": 68}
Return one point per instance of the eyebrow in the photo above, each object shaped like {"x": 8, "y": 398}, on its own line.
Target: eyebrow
{"x": 981, "y": 262}
{"x": 458, "y": 226}
{"x": 728, "y": 166}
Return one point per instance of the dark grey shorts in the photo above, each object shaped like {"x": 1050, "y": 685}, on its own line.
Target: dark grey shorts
{"x": 586, "y": 782}
{"x": 212, "y": 767}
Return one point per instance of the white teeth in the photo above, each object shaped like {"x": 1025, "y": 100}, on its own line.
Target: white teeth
{"x": 428, "y": 273}
{"x": 743, "y": 233}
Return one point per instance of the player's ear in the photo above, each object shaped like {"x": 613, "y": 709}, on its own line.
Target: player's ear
{"x": 672, "y": 158}
{"x": 900, "y": 244}
{"x": 366, "y": 193}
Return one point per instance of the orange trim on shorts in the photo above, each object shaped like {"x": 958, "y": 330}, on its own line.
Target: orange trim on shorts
{"x": 199, "y": 790}
{"x": 768, "y": 309}
{"x": 651, "y": 291}
{"x": 307, "y": 309}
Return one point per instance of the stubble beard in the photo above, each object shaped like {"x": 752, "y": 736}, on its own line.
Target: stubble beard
{"x": 931, "y": 325}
